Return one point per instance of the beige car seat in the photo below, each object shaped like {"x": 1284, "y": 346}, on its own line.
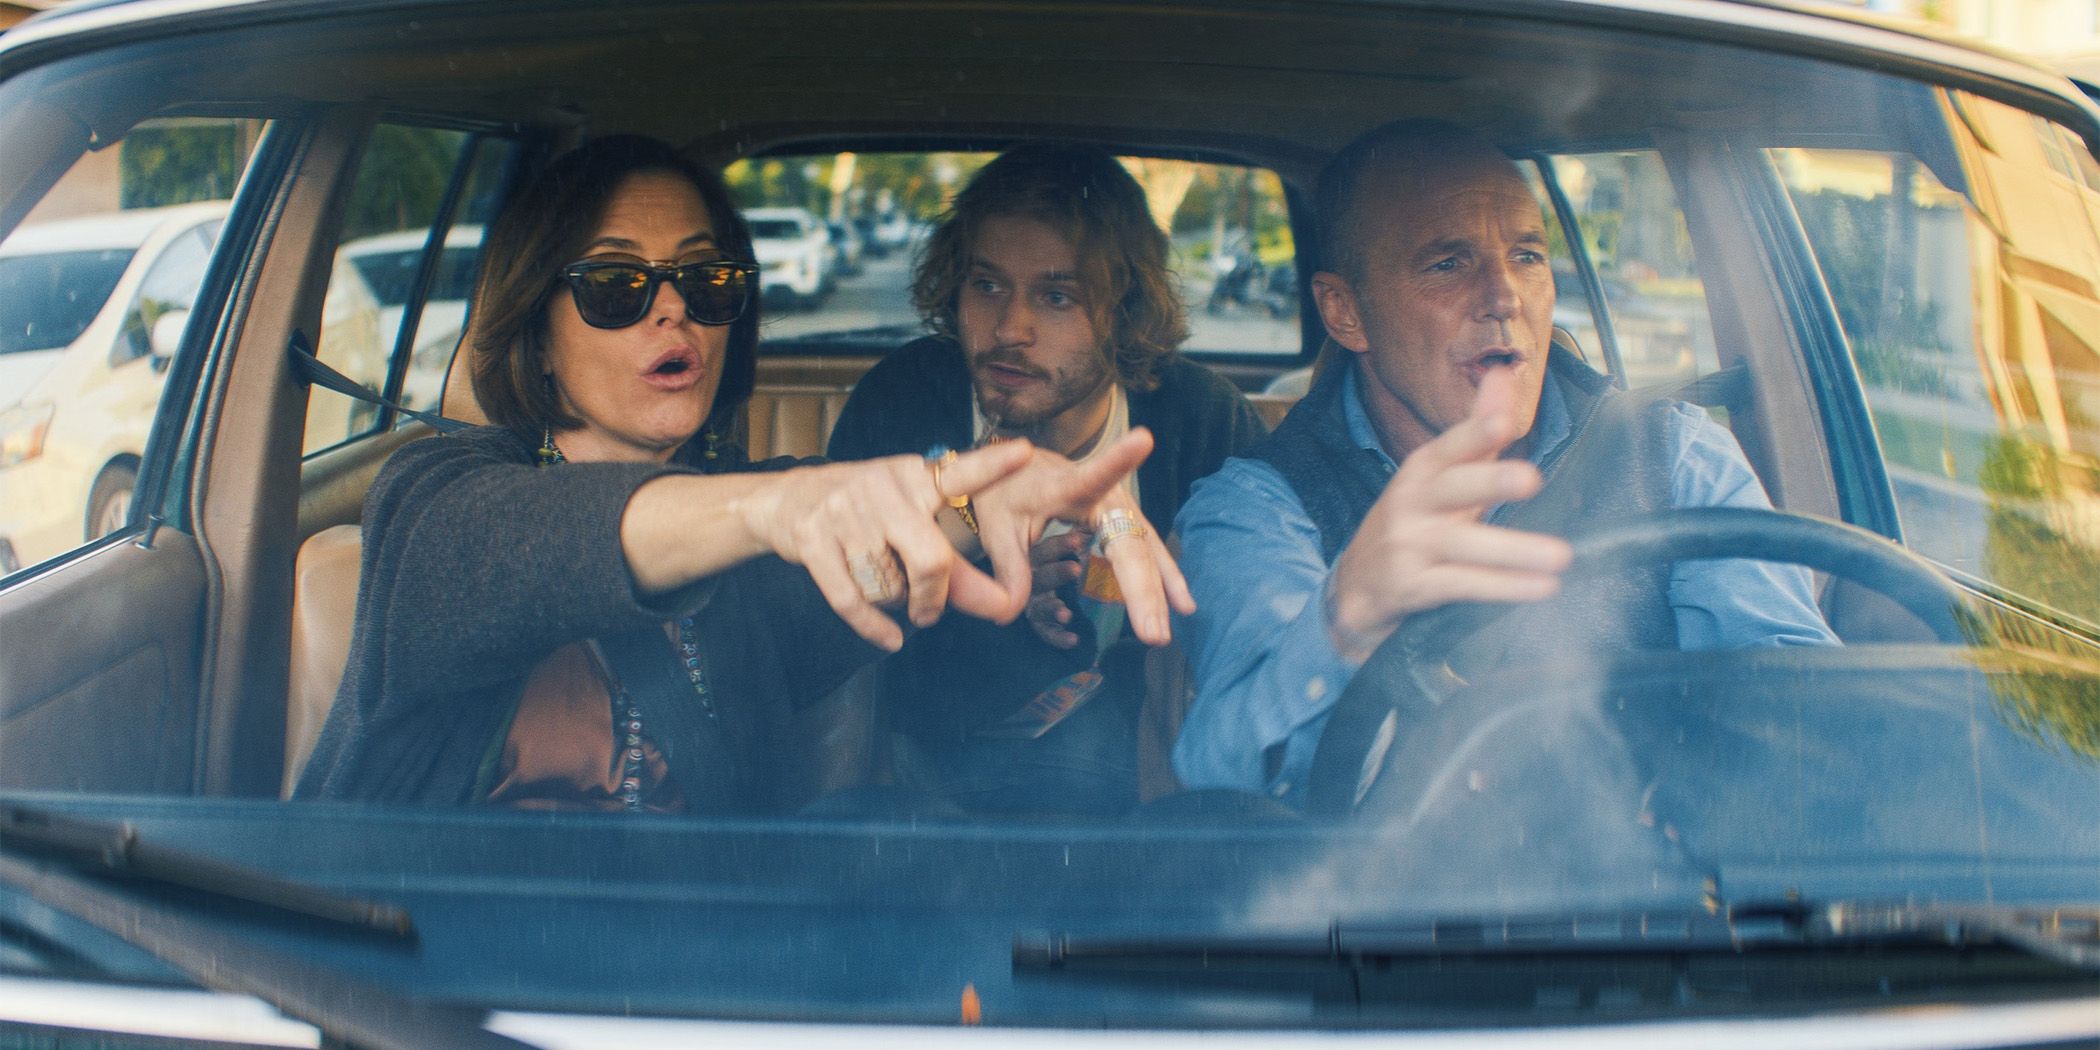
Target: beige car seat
{"x": 324, "y": 606}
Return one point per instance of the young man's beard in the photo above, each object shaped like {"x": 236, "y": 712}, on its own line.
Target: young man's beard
{"x": 1065, "y": 391}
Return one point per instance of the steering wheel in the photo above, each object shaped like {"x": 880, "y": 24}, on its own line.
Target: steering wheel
{"x": 1406, "y": 669}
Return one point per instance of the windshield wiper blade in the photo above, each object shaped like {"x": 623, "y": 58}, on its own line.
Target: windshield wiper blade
{"x": 1352, "y": 943}
{"x": 2069, "y": 936}
{"x": 347, "y": 1009}
{"x": 117, "y": 849}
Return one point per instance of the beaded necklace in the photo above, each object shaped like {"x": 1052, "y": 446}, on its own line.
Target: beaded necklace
{"x": 627, "y": 717}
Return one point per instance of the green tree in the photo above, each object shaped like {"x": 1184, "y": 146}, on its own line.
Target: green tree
{"x": 401, "y": 180}
{"x": 178, "y": 162}
{"x": 2028, "y": 554}
{"x": 917, "y": 184}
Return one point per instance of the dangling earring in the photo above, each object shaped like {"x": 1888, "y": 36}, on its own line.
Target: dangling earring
{"x": 713, "y": 443}
{"x": 549, "y": 454}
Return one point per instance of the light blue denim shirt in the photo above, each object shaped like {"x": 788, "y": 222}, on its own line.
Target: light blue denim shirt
{"x": 1267, "y": 672}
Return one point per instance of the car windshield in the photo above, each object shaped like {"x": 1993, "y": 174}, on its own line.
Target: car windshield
{"x": 1637, "y": 474}
{"x": 46, "y": 301}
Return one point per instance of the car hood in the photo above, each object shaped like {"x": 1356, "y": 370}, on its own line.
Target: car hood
{"x": 830, "y": 921}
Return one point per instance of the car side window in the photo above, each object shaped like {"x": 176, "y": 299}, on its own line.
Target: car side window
{"x": 1958, "y": 282}
{"x": 404, "y": 272}
{"x": 1635, "y": 236}
{"x": 1574, "y": 314}
{"x": 96, "y": 286}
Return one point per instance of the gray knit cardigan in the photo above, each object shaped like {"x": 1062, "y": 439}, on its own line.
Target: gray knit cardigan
{"x": 478, "y": 564}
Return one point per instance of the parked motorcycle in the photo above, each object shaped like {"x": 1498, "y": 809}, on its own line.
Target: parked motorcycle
{"x": 1251, "y": 285}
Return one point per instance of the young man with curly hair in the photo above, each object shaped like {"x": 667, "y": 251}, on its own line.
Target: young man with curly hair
{"x": 1054, "y": 318}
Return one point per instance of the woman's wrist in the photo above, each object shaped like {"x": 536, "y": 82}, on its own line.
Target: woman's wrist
{"x": 754, "y": 510}
{"x": 678, "y": 528}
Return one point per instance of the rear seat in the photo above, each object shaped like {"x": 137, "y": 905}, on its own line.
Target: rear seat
{"x": 792, "y": 420}
{"x": 795, "y": 419}
{"x": 797, "y": 402}
{"x": 1271, "y": 407}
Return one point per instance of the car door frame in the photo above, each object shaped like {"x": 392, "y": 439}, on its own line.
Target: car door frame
{"x": 243, "y": 492}
{"x": 110, "y": 689}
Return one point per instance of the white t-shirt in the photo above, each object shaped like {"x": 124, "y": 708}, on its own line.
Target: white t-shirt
{"x": 1111, "y": 432}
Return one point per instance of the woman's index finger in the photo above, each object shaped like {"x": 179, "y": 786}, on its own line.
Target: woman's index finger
{"x": 979, "y": 467}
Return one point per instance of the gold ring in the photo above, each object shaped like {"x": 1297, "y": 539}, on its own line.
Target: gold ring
{"x": 877, "y": 574}
{"x": 1115, "y": 524}
{"x": 938, "y": 463}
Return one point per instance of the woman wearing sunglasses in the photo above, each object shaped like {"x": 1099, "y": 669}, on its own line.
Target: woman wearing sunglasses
{"x": 596, "y": 602}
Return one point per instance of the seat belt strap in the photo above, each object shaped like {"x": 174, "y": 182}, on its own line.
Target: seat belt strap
{"x": 313, "y": 371}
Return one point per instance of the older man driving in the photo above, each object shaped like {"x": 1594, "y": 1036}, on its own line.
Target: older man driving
{"x": 1441, "y": 457}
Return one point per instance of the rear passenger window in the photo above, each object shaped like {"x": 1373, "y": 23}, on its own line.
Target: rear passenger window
{"x": 404, "y": 273}
{"x": 97, "y": 286}
{"x": 836, "y": 234}
{"x": 1634, "y": 235}
{"x": 1974, "y": 334}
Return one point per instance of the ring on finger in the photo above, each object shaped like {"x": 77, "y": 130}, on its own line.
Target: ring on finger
{"x": 877, "y": 574}
{"x": 1114, "y": 524}
{"x": 938, "y": 459}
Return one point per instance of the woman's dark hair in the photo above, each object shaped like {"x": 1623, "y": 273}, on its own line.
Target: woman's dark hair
{"x": 544, "y": 228}
{"x": 1086, "y": 195}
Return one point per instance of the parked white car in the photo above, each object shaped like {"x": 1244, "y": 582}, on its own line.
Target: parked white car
{"x": 893, "y": 231}
{"x": 74, "y": 414}
{"x": 847, "y": 247}
{"x": 794, "y": 252}
{"x": 80, "y": 373}
{"x": 388, "y": 263}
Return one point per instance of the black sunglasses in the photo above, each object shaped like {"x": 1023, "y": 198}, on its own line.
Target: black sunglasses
{"x": 614, "y": 294}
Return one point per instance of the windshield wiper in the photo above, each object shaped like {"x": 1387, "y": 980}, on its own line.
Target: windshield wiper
{"x": 346, "y": 1008}
{"x": 116, "y": 849}
{"x": 2069, "y": 936}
